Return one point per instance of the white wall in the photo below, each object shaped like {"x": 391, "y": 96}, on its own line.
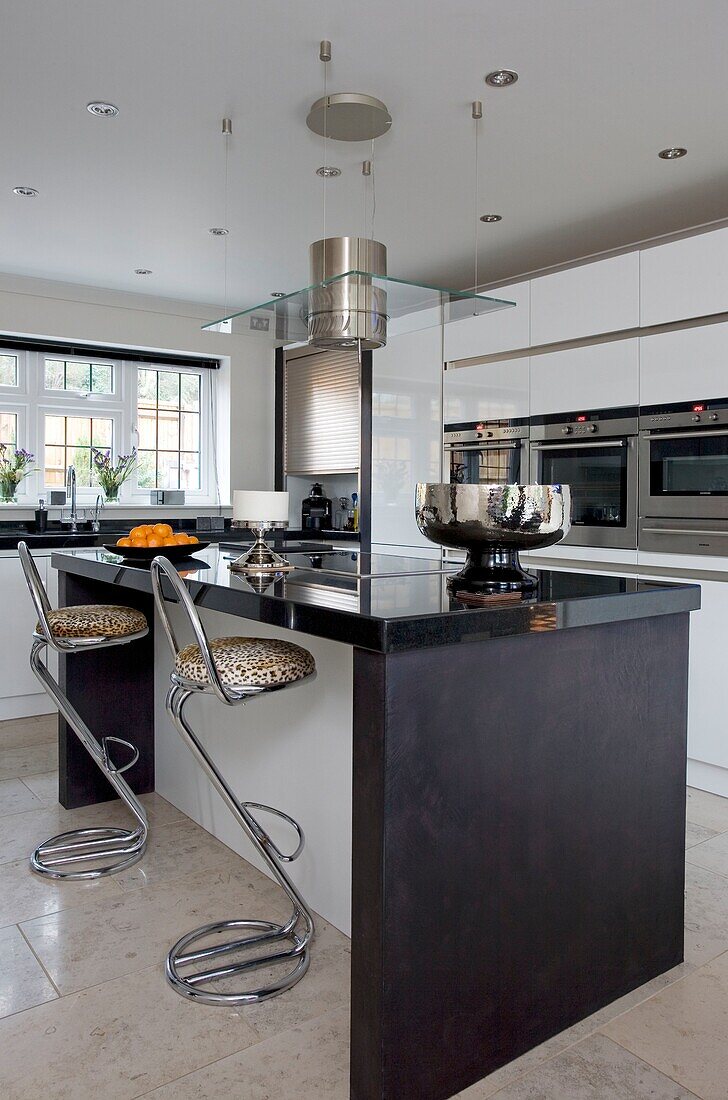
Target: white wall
{"x": 35, "y": 307}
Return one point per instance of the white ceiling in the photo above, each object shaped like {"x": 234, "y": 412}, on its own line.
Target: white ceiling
{"x": 568, "y": 154}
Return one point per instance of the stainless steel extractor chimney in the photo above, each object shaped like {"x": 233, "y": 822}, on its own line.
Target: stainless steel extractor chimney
{"x": 350, "y": 311}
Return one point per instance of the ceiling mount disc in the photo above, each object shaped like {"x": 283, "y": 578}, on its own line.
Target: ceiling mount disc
{"x": 349, "y": 116}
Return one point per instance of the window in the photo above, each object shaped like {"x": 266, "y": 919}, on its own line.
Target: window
{"x": 168, "y": 424}
{"x": 8, "y": 428}
{"x": 68, "y": 441}
{"x": 8, "y": 370}
{"x": 79, "y": 377}
{"x": 61, "y": 406}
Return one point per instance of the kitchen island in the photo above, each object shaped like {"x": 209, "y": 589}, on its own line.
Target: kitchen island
{"x": 499, "y": 790}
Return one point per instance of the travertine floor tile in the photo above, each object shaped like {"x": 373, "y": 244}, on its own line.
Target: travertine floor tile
{"x": 25, "y": 895}
{"x": 706, "y": 915}
{"x": 707, "y": 809}
{"x": 23, "y": 832}
{"x": 16, "y": 797}
{"x": 176, "y": 850}
{"x": 513, "y": 1071}
{"x": 118, "y": 935}
{"x": 682, "y": 1031}
{"x": 694, "y": 834}
{"x": 22, "y": 980}
{"x": 160, "y": 810}
{"x": 712, "y": 854}
{"x": 18, "y": 732}
{"x": 117, "y": 1041}
{"x": 28, "y": 760}
{"x": 595, "y": 1069}
{"x": 44, "y": 787}
{"x": 308, "y": 1062}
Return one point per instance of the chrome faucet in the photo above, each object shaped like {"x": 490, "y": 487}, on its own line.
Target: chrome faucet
{"x": 98, "y": 508}
{"x": 71, "y": 491}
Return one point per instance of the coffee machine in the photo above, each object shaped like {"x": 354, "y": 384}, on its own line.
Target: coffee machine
{"x": 317, "y": 510}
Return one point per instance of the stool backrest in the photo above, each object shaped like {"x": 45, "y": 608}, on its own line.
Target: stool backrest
{"x": 37, "y": 591}
{"x": 161, "y": 565}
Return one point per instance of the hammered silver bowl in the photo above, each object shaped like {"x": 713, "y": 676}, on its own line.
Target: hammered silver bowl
{"x": 493, "y": 523}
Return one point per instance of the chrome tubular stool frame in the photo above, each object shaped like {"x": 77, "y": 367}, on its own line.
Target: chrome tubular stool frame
{"x": 68, "y": 855}
{"x": 289, "y": 940}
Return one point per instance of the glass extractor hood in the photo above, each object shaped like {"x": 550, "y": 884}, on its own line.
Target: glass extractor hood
{"x": 409, "y": 307}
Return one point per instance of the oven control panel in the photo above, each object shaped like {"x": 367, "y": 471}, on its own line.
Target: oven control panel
{"x": 688, "y": 414}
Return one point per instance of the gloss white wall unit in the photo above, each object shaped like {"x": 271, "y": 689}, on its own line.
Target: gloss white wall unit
{"x": 20, "y": 693}
{"x": 492, "y": 332}
{"x": 486, "y": 391}
{"x": 602, "y": 296}
{"x": 686, "y": 278}
{"x": 406, "y": 431}
{"x": 689, "y": 364}
{"x": 597, "y": 376}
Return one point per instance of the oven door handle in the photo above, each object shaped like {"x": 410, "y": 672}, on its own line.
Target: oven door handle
{"x": 575, "y": 443}
{"x": 508, "y": 444}
{"x": 683, "y": 531}
{"x": 707, "y": 433}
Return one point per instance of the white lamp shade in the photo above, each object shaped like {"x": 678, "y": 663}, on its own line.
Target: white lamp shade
{"x": 254, "y": 504}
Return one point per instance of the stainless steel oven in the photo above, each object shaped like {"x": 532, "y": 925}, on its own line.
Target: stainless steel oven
{"x": 487, "y": 453}
{"x": 684, "y": 478}
{"x": 595, "y": 454}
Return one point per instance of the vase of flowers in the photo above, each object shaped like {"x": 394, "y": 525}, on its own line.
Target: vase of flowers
{"x": 112, "y": 475}
{"x": 14, "y": 466}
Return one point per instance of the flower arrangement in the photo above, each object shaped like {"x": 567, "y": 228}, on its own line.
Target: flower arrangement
{"x": 14, "y": 466}
{"x": 111, "y": 476}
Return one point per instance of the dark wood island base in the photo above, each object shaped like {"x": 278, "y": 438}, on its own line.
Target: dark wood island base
{"x": 518, "y": 799}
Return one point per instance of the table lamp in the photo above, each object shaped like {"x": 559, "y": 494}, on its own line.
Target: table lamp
{"x": 261, "y": 511}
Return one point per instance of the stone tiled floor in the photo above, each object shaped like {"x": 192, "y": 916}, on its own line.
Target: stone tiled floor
{"x": 85, "y": 1011}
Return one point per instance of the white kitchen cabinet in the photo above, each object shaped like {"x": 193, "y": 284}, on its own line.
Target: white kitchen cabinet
{"x": 406, "y": 432}
{"x": 686, "y": 278}
{"x": 602, "y": 296}
{"x": 20, "y": 693}
{"x": 598, "y": 376}
{"x": 486, "y": 391}
{"x": 492, "y": 332}
{"x": 708, "y": 667}
{"x": 689, "y": 364}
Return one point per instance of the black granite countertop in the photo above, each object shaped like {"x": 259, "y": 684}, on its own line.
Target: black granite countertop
{"x": 397, "y": 610}
{"x": 110, "y": 531}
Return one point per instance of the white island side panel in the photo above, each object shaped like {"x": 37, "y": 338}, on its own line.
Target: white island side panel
{"x": 290, "y": 749}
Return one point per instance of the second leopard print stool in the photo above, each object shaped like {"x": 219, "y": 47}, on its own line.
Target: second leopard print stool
{"x": 233, "y": 670}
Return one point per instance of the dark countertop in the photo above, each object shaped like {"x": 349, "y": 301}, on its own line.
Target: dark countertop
{"x": 56, "y": 536}
{"x": 398, "y": 609}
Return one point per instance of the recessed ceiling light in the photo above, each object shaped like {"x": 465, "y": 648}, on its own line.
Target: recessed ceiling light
{"x": 328, "y": 171}
{"x": 142, "y": 271}
{"x": 219, "y": 231}
{"x": 104, "y": 110}
{"x": 501, "y": 78}
{"x": 673, "y": 153}
{"x": 26, "y": 192}
{"x": 491, "y": 217}
{"x": 277, "y": 293}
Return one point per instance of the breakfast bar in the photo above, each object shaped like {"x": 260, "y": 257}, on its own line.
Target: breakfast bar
{"x": 492, "y": 792}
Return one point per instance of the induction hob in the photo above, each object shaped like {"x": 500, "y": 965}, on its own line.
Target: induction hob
{"x": 354, "y": 563}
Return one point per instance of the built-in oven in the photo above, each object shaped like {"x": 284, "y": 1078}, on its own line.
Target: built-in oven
{"x": 595, "y": 454}
{"x": 684, "y": 478}
{"x": 487, "y": 452}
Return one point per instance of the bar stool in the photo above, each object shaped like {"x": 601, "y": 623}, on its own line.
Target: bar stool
{"x": 78, "y": 630}
{"x": 234, "y": 670}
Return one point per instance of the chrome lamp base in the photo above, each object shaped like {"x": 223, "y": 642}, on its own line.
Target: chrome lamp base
{"x": 260, "y": 559}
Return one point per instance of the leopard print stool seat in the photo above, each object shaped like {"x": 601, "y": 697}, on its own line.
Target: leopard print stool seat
{"x": 247, "y": 662}
{"x": 95, "y": 621}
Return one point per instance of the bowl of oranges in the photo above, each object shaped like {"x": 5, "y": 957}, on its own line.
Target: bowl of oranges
{"x": 149, "y": 539}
